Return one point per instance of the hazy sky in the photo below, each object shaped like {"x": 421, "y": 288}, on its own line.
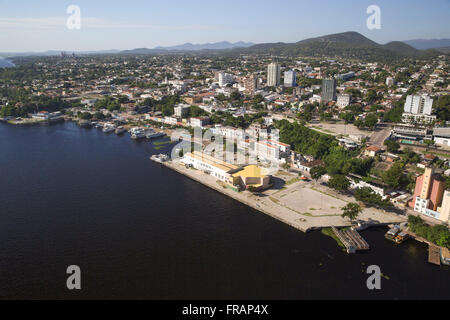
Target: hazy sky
{"x": 126, "y": 24}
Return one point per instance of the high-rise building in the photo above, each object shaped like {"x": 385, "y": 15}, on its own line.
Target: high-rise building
{"x": 328, "y": 90}
{"x": 429, "y": 195}
{"x": 225, "y": 78}
{"x": 290, "y": 79}
{"x": 390, "y": 81}
{"x": 418, "y": 108}
{"x": 273, "y": 75}
{"x": 418, "y": 104}
{"x": 250, "y": 84}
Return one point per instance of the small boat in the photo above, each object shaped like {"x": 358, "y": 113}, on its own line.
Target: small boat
{"x": 137, "y": 133}
{"x": 392, "y": 233}
{"x": 152, "y": 134}
{"x": 107, "y": 128}
{"x": 160, "y": 158}
{"x": 120, "y": 130}
{"x": 401, "y": 237}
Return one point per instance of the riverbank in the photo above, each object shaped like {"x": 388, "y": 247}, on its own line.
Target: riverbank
{"x": 286, "y": 204}
{"x": 31, "y": 121}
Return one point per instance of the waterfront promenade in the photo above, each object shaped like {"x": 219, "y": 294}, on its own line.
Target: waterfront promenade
{"x": 288, "y": 203}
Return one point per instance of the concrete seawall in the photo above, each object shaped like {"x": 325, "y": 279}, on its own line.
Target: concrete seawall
{"x": 235, "y": 196}
{"x": 290, "y": 205}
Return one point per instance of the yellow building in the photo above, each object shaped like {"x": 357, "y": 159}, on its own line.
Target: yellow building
{"x": 233, "y": 175}
{"x": 253, "y": 176}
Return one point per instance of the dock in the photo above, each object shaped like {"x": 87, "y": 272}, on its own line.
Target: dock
{"x": 351, "y": 239}
{"x": 434, "y": 255}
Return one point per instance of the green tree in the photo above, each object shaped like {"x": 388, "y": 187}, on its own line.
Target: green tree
{"x": 339, "y": 182}
{"x": 317, "y": 172}
{"x": 394, "y": 177}
{"x": 351, "y": 211}
{"x": 392, "y": 146}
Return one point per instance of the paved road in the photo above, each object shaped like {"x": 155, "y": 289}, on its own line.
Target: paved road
{"x": 380, "y": 134}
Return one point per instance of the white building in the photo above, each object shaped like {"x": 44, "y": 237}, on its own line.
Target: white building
{"x": 199, "y": 122}
{"x": 273, "y": 74}
{"x": 270, "y": 149}
{"x": 418, "y": 104}
{"x": 225, "y": 78}
{"x": 181, "y": 109}
{"x": 442, "y": 136}
{"x": 418, "y": 108}
{"x": 390, "y": 81}
{"x": 170, "y": 120}
{"x": 343, "y": 100}
{"x": 290, "y": 79}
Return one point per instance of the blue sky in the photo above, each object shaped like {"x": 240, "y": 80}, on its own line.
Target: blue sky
{"x": 41, "y": 25}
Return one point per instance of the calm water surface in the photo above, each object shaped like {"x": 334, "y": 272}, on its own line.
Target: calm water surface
{"x": 138, "y": 230}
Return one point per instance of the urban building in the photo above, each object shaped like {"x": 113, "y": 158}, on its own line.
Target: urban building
{"x": 418, "y": 108}
{"x": 271, "y": 150}
{"x": 290, "y": 79}
{"x": 442, "y": 136}
{"x": 273, "y": 74}
{"x": 181, "y": 109}
{"x": 343, "y": 100}
{"x": 234, "y": 176}
{"x": 225, "y": 78}
{"x": 199, "y": 121}
{"x": 328, "y": 90}
{"x": 346, "y": 76}
{"x": 390, "y": 81}
{"x": 428, "y": 198}
{"x": 250, "y": 84}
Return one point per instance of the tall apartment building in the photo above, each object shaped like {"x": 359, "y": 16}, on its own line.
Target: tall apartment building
{"x": 181, "y": 109}
{"x": 390, "y": 81}
{"x": 418, "y": 108}
{"x": 273, "y": 74}
{"x": 290, "y": 79}
{"x": 225, "y": 78}
{"x": 250, "y": 84}
{"x": 429, "y": 197}
{"x": 328, "y": 90}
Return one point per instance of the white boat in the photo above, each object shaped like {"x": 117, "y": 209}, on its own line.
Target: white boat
{"x": 107, "y": 128}
{"x": 120, "y": 130}
{"x": 160, "y": 158}
{"x": 137, "y": 133}
{"x": 152, "y": 134}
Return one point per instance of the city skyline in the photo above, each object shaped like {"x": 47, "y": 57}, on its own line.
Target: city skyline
{"x": 42, "y": 26}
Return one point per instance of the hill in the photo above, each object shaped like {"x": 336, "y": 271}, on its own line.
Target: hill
{"x": 189, "y": 47}
{"x": 347, "y": 44}
{"x": 424, "y": 44}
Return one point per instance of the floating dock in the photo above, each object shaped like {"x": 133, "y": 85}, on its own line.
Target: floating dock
{"x": 351, "y": 239}
{"x": 434, "y": 255}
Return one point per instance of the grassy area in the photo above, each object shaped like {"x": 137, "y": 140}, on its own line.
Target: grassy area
{"x": 294, "y": 180}
{"x": 274, "y": 200}
{"x": 161, "y": 143}
{"x": 329, "y": 232}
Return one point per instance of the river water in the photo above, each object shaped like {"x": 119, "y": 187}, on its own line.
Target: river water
{"x": 74, "y": 196}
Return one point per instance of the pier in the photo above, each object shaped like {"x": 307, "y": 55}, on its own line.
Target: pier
{"x": 434, "y": 255}
{"x": 351, "y": 239}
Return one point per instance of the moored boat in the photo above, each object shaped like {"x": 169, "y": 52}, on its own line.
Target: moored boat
{"x": 160, "y": 158}
{"x": 120, "y": 130}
